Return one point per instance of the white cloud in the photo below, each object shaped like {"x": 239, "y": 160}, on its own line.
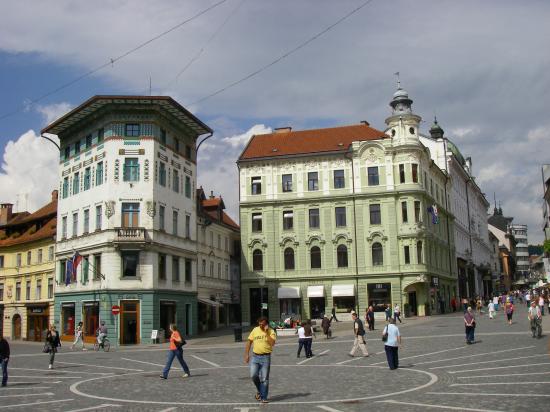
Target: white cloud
{"x": 240, "y": 140}
{"x": 29, "y": 171}
{"x": 54, "y": 111}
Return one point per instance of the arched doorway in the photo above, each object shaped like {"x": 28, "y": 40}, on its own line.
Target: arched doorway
{"x": 16, "y": 327}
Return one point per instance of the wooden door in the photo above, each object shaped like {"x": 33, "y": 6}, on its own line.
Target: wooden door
{"x": 17, "y": 327}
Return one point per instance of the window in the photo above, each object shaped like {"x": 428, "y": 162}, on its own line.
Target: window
{"x": 287, "y": 183}
{"x": 315, "y": 255}
{"x": 314, "y": 222}
{"x": 86, "y": 220}
{"x": 256, "y": 222}
{"x": 76, "y": 183}
{"x": 404, "y": 214}
{"x": 340, "y": 216}
{"x": 100, "y": 135}
{"x": 402, "y": 173}
{"x": 312, "y": 181}
{"x": 219, "y": 241}
{"x": 99, "y": 174}
{"x": 39, "y": 256}
{"x": 204, "y": 267}
{"x": 375, "y": 218}
{"x": 77, "y": 148}
{"x": 176, "y": 145}
{"x": 29, "y": 257}
{"x": 50, "y": 253}
{"x": 289, "y": 258}
{"x": 1, "y": 261}
{"x": 219, "y": 270}
{"x": 373, "y": 177}
{"x": 175, "y": 222}
{"x": 211, "y": 269}
{"x": 419, "y": 252}
{"x": 425, "y": 183}
{"x": 256, "y": 185}
{"x": 257, "y": 260}
{"x": 65, "y": 189}
{"x": 98, "y": 217}
{"x": 377, "y": 254}
{"x": 50, "y": 288}
{"x": 1, "y": 292}
{"x": 339, "y": 180}
{"x": 188, "y": 152}
{"x": 162, "y": 174}
{"x": 18, "y": 291}
{"x": 28, "y": 290}
{"x": 131, "y": 169}
{"x": 176, "y": 182}
{"x": 407, "y": 255}
{"x": 188, "y": 187}
{"x": 417, "y": 211}
{"x": 97, "y": 267}
{"x": 64, "y": 227}
{"x": 18, "y": 260}
{"x": 342, "y": 256}
{"x": 75, "y": 224}
{"x": 415, "y": 172}
{"x": 188, "y": 271}
{"x": 67, "y": 152}
{"x": 163, "y": 136}
{"x": 132, "y": 130}
{"x": 38, "y": 295}
{"x": 188, "y": 226}
{"x": 175, "y": 269}
{"x": 88, "y": 141}
{"x": 130, "y": 260}
{"x": 288, "y": 220}
{"x": 227, "y": 272}
{"x": 161, "y": 217}
{"x": 130, "y": 215}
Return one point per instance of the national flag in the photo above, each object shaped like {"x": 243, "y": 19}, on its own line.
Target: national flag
{"x": 71, "y": 267}
{"x": 432, "y": 210}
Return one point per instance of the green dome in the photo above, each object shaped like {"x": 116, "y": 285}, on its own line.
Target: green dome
{"x": 452, "y": 147}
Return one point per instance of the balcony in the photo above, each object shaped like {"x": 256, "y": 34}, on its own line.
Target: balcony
{"x": 131, "y": 236}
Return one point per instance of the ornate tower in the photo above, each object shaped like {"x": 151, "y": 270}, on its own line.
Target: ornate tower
{"x": 403, "y": 124}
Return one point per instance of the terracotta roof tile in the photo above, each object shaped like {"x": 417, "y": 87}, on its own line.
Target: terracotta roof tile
{"x": 225, "y": 218}
{"x": 45, "y": 232}
{"x": 333, "y": 139}
{"x": 215, "y": 202}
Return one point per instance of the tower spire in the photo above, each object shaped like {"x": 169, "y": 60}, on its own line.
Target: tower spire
{"x": 398, "y": 81}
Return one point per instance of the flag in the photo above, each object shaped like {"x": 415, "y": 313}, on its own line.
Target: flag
{"x": 77, "y": 258}
{"x": 432, "y": 210}
{"x": 70, "y": 268}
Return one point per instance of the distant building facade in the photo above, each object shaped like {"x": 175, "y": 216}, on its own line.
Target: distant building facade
{"x": 522, "y": 252}
{"x": 500, "y": 227}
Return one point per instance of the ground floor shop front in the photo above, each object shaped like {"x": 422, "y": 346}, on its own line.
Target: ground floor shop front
{"x": 141, "y": 313}
{"x": 417, "y": 295}
{"x": 26, "y": 321}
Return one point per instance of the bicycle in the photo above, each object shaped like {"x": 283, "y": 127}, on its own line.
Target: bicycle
{"x": 105, "y": 343}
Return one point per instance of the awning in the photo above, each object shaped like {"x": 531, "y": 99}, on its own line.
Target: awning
{"x": 289, "y": 293}
{"x": 209, "y": 302}
{"x": 316, "y": 291}
{"x": 343, "y": 290}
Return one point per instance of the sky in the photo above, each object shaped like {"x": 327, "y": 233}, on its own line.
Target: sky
{"x": 481, "y": 67}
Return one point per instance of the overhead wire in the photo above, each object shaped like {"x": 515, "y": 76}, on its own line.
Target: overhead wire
{"x": 111, "y": 62}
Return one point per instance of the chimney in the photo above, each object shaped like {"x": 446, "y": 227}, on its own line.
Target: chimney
{"x": 211, "y": 194}
{"x": 5, "y": 213}
{"x": 287, "y": 129}
{"x": 55, "y": 195}
{"x": 365, "y": 122}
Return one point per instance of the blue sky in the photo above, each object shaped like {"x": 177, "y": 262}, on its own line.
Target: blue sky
{"x": 481, "y": 66}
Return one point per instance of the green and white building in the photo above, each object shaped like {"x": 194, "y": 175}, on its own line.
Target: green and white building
{"x": 127, "y": 187}
{"x": 338, "y": 218}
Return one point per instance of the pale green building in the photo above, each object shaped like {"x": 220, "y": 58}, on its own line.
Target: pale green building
{"x": 343, "y": 218}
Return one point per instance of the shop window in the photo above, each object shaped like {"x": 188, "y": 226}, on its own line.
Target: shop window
{"x": 379, "y": 295}
{"x": 315, "y": 255}
{"x": 130, "y": 260}
{"x": 90, "y": 316}
{"x": 377, "y": 254}
{"x": 257, "y": 260}
{"x": 67, "y": 319}
{"x": 342, "y": 256}
{"x": 344, "y": 303}
{"x": 289, "y": 258}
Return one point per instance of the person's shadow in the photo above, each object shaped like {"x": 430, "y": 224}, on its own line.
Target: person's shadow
{"x": 286, "y": 396}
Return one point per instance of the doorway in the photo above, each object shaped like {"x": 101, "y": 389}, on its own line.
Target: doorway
{"x": 167, "y": 316}
{"x": 258, "y": 296}
{"x": 412, "y": 304}
{"x": 316, "y": 307}
{"x": 16, "y": 327}
{"x": 129, "y": 322}
{"x": 188, "y": 326}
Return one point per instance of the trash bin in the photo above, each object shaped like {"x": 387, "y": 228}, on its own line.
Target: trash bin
{"x": 238, "y": 334}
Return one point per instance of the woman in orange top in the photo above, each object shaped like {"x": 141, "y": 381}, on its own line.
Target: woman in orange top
{"x": 176, "y": 344}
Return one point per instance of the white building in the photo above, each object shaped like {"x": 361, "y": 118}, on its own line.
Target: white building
{"x": 127, "y": 178}
{"x": 522, "y": 251}
{"x": 469, "y": 206}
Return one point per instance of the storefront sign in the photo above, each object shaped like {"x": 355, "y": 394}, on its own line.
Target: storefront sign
{"x": 154, "y": 334}
{"x": 67, "y": 305}
{"x": 37, "y": 310}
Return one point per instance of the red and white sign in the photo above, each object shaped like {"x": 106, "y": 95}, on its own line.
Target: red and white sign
{"x": 115, "y": 310}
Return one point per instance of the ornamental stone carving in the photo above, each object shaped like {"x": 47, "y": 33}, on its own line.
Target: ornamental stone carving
{"x": 151, "y": 208}
{"x": 109, "y": 208}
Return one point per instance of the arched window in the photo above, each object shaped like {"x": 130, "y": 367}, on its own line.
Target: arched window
{"x": 377, "y": 254}
{"x": 257, "y": 260}
{"x": 315, "y": 254}
{"x": 289, "y": 258}
{"x": 342, "y": 256}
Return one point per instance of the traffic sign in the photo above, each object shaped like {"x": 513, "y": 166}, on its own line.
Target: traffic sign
{"x": 115, "y": 310}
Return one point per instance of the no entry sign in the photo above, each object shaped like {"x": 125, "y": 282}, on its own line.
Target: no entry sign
{"x": 115, "y": 310}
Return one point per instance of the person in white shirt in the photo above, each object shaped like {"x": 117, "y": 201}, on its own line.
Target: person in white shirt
{"x": 535, "y": 320}
{"x": 541, "y": 305}
{"x": 491, "y": 310}
{"x": 495, "y": 302}
{"x": 391, "y": 345}
{"x": 528, "y": 299}
{"x": 305, "y": 338}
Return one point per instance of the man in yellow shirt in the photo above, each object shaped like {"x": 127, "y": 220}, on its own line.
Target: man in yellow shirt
{"x": 262, "y": 339}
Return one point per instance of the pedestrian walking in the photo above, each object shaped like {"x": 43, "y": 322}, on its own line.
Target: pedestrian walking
{"x": 325, "y": 325}
{"x": 334, "y": 315}
{"x": 301, "y": 339}
{"x": 528, "y": 299}
{"x": 491, "y": 310}
{"x": 78, "y": 336}
{"x": 509, "y": 309}
{"x": 261, "y": 340}
{"x": 392, "y": 340}
{"x": 359, "y": 333}
{"x": 4, "y": 358}
{"x": 478, "y": 306}
{"x": 369, "y": 316}
{"x": 387, "y": 312}
{"x": 453, "y": 303}
{"x": 52, "y": 343}
{"x": 397, "y": 313}
{"x": 309, "y": 334}
{"x": 470, "y": 324}
{"x": 541, "y": 304}
{"x": 464, "y": 304}
{"x": 535, "y": 319}
{"x": 175, "y": 351}
{"x": 495, "y": 302}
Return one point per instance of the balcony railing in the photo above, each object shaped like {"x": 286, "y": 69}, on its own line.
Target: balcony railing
{"x": 130, "y": 235}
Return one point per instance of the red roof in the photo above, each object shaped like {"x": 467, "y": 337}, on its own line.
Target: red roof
{"x": 212, "y": 202}
{"x": 332, "y": 139}
{"x": 225, "y": 219}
